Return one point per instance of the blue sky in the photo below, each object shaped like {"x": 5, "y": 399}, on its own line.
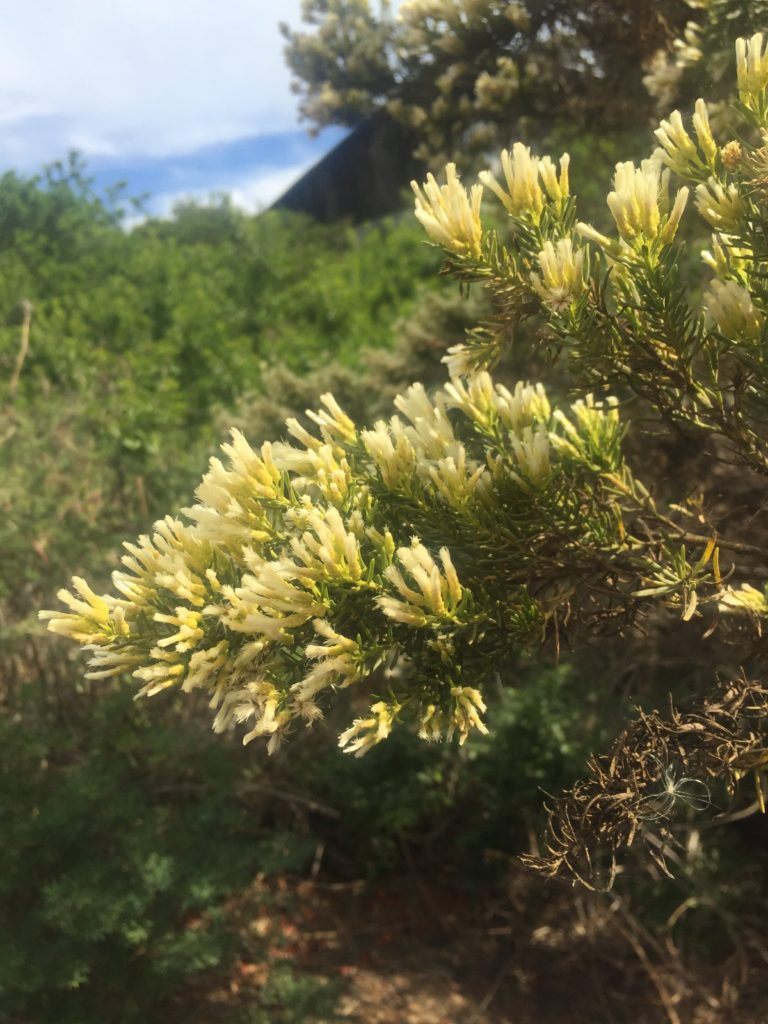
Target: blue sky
{"x": 176, "y": 97}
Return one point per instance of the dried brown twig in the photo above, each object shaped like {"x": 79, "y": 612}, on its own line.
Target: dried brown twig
{"x": 657, "y": 765}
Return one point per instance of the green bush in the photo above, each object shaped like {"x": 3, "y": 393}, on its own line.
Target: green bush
{"x": 120, "y": 849}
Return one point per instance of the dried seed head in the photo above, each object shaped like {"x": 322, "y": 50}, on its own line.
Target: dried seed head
{"x": 731, "y": 154}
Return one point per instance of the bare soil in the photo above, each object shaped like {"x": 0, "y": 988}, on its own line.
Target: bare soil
{"x": 429, "y": 949}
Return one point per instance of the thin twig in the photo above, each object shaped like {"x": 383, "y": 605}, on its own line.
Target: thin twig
{"x": 21, "y": 355}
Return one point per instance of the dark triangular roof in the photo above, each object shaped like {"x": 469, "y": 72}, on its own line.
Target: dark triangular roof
{"x": 361, "y": 178}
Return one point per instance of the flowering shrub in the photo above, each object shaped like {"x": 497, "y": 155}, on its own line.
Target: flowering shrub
{"x": 415, "y": 559}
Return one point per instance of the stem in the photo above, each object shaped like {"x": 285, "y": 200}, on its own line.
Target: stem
{"x": 21, "y": 355}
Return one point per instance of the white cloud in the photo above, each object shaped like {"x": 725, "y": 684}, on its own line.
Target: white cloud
{"x": 148, "y": 77}
{"x": 252, "y": 192}
{"x": 261, "y": 190}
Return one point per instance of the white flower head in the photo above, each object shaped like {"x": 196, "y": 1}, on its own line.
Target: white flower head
{"x": 88, "y": 622}
{"x": 639, "y": 202}
{"x": 337, "y": 664}
{"x": 449, "y": 215}
{"x": 365, "y": 733}
{"x": 460, "y": 360}
{"x": 327, "y": 549}
{"x": 489, "y": 405}
{"x": 731, "y": 307}
{"x": 531, "y": 450}
{"x": 725, "y": 258}
{"x": 334, "y": 423}
{"x": 751, "y": 67}
{"x": 259, "y": 702}
{"x": 556, "y": 186}
{"x": 468, "y": 705}
{"x": 703, "y": 131}
{"x": 662, "y": 78}
{"x": 458, "y": 479}
{"x": 431, "y": 594}
{"x": 723, "y": 208}
{"x": 270, "y": 601}
{"x": 688, "y": 49}
{"x": 392, "y": 452}
{"x": 523, "y": 195}
{"x": 562, "y": 274}
{"x": 678, "y": 148}
{"x": 430, "y": 431}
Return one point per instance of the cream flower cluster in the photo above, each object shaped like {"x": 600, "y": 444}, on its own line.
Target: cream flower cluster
{"x": 300, "y": 572}
{"x": 524, "y": 176}
{"x": 427, "y": 592}
{"x": 721, "y": 206}
{"x": 678, "y": 150}
{"x": 731, "y": 307}
{"x": 449, "y": 215}
{"x": 562, "y": 274}
{"x": 751, "y": 68}
{"x": 639, "y": 204}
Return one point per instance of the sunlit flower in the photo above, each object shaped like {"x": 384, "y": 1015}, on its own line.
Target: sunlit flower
{"x": 259, "y": 702}
{"x": 449, "y": 215}
{"x": 365, "y": 733}
{"x": 732, "y": 309}
{"x": 337, "y": 663}
{"x": 639, "y": 200}
{"x": 531, "y": 451}
{"x": 751, "y": 67}
{"x": 523, "y": 195}
{"x": 457, "y": 478}
{"x": 326, "y": 549}
{"x": 688, "y": 49}
{"x": 460, "y": 360}
{"x": 726, "y": 258}
{"x": 703, "y": 131}
{"x": 562, "y": 274}
{"x": 430, "y": 431}
{"x": 88, "y": 622}
{"x": 431, "y": 593}
{"x": 723, "y": 208}
{"x": 467, "y": 708}
{"x": 392, "y": 452}
{"x": 270, "y": 601}
{"x": 679, "y": 149}
{"x": 557, "y": 186}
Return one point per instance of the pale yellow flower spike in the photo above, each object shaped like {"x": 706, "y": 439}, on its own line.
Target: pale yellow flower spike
{"x": 751, "y": 67}
{"x": 638, "y": 203}
{"x": 732, "y": 309}
{"x": 449, "y": 215}
{"x": 679, "y": 149}
{"x": 524, "y": 195}
{"x": 562, "y": 274}
{"x": 723, "y": 208}
{"x": 703, "y": 131}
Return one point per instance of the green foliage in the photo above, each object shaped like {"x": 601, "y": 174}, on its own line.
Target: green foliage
{"x": 118, "y": 853}
{"x": 455, "y": 804}
{"x": 138, "y": 339}
{"x": 289, "y": 998}
{"x": 464, "y": 75}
